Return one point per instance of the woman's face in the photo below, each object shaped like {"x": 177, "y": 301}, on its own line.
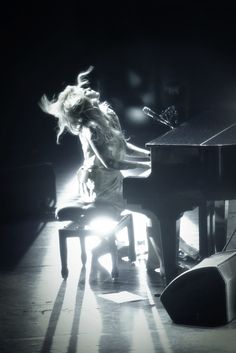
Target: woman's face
{"x": 88, "y": 103}
{"x": 92, "y": 95}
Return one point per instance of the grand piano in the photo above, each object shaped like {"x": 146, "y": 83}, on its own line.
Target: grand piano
{"x": 192, "y": 165}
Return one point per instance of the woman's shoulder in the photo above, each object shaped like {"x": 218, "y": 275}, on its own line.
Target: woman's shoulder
{"x": 94, "y": 134}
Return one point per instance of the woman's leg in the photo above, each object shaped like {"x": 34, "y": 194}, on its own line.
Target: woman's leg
{"x": 106, "y": 246}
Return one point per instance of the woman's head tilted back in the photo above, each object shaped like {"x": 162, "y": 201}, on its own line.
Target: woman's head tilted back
{"x": 71, "y": 105}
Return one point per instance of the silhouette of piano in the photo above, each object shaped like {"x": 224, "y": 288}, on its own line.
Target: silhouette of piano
{"x": 193, "y": 165}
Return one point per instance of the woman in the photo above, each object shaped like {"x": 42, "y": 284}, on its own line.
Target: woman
{"x": 106, "y": 151}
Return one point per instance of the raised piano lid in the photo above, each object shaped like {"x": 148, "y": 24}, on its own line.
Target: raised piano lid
{"x": 211, "y": 128}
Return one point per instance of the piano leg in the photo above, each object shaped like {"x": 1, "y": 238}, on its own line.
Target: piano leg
{"x": 221, "y": 216}
{"x": 170, "y": 246}
{"x": 164, "y": 236}
{"x": 212, "y": 227}
{"x": 206, "y": 229}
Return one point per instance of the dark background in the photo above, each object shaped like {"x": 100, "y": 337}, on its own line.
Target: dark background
{"x": 136, "y": 49}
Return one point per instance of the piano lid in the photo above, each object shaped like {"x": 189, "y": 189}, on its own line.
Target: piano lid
{"x": 211, "y": 128}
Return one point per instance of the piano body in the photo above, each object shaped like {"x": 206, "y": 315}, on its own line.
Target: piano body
{"x": 192, "y": 165}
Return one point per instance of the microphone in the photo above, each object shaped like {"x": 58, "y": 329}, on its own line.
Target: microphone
{"x": 160, "y": 118}
{"x": 149, "y": 112}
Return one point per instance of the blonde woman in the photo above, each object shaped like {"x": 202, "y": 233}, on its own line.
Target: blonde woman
{"x": 105, "y": 149}
{"x": 106, "y": 152}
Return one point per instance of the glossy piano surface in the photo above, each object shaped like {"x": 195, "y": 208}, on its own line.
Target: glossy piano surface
{"x": 190, "y": 165}
{"x": 196, "y": 156}
{"x": 206, "y": 129}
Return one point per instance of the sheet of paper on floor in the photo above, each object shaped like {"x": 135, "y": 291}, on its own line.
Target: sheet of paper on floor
{"x": 122, "y": 297}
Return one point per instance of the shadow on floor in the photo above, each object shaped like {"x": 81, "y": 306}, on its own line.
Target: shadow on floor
{"x": 16, "y": 238}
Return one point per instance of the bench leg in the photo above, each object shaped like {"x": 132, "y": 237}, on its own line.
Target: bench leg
{"x": 107, "y": 246}
{"x": 63, "y": 254}
{"x": 83, "y": 250}
{"x": 130, "y": 227}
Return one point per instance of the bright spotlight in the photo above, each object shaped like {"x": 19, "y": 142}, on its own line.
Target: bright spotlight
{"x": 136, "y": 115}
{"x": 102, "y": 225}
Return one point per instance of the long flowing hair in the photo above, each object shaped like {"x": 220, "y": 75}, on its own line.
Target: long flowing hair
{"x": 75, "y": 108}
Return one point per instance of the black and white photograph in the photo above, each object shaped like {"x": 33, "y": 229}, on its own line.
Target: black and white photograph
{"x": 118, "y": 177}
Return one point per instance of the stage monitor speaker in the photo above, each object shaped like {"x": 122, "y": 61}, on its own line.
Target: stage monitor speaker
{"x": 204, "y": 295}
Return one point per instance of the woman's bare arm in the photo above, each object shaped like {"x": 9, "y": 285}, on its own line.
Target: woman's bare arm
{"x": 136, "y": 151}
{"x": 124, "y": 164}
{"x": 102, "y": 153}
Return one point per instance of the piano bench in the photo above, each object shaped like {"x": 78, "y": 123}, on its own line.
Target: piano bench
{"x": 79, "y": 219}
